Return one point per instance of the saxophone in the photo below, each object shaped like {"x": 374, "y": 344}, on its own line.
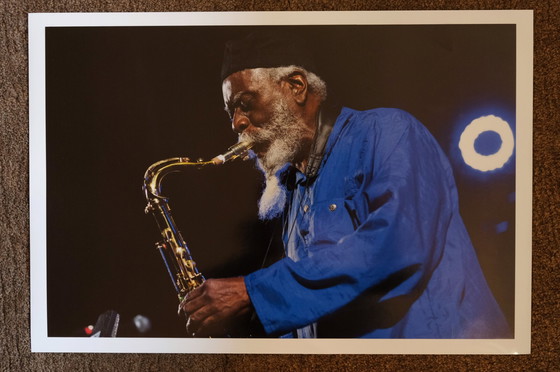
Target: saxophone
{"x": 173, "y": 249}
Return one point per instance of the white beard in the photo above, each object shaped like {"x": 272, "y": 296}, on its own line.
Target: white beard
{"x": 273, "y": 199}
{"x": 287, "y": 135}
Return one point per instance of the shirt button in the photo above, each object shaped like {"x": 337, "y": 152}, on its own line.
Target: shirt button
{"x": 305, "y": 208}
{"x": 332, "y": 207}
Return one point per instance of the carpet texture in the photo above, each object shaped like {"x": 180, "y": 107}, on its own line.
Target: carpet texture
{"x": 14, "y": 202}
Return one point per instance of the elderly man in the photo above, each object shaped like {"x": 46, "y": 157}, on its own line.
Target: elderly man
{"x": 375, "y": 246}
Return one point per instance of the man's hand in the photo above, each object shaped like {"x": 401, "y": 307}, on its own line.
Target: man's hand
{"x": 212, "y": 306}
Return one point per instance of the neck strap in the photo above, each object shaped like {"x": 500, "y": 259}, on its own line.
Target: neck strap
{"x": 329, "y": 111}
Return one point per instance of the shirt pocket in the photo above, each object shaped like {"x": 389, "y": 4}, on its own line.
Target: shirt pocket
{"x": 330, "y": 221}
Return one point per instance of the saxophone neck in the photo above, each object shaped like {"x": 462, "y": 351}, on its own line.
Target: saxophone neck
{"x": 157, "y": 171}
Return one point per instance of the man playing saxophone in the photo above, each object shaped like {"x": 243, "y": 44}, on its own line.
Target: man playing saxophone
{"x": 374, "y": 243}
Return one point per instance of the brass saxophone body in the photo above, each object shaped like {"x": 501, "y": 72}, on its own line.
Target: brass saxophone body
{"x": 173, "y": 249}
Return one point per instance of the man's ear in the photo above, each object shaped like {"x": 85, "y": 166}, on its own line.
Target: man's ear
{"x": 297, "y": 83}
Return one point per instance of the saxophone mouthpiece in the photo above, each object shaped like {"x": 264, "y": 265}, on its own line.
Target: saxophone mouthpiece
{"x": 233, "y": 152}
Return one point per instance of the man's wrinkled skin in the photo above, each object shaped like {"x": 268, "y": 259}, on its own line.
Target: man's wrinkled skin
{"x": 211, "y": 306}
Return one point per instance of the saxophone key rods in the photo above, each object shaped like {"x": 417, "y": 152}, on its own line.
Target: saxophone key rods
{"x": 173, "y": 249}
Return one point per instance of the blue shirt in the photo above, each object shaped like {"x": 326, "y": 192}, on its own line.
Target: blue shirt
{"x": 375, "y": 244}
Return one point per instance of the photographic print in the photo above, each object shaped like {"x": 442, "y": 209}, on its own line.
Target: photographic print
{"x": 277, "y": 182}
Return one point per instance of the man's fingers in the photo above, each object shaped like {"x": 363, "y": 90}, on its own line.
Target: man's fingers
{"x": 191, "y": 306}
{"x": 182, "y": 305}
{"x": 190, "y": 328}
{"x": 198, "y": 317}
{"x": 196, "y": 292}
{"x": 213, "y": 304}
{"x": 210, "y": 326}
{"x": 192, "y": 301}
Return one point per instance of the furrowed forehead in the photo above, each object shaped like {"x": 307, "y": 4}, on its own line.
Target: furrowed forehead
{"x": 238, "y": 83}
{"x": 246, "y": 82}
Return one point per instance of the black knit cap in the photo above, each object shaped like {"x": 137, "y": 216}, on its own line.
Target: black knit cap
{"x": 266, "y": 49}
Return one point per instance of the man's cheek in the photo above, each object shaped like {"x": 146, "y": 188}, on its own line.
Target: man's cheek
{"x": 260, "y": 119}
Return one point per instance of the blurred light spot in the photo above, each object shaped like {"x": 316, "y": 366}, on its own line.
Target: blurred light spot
{"x": 142, "y": 323}
{"x": 495, "y": 151}
{"x": 502, "y": 227}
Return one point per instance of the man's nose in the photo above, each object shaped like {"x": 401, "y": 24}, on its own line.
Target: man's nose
{"x": 239, "y": 123}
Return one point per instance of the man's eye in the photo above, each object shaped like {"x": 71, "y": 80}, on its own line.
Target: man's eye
{"x": 244, "y": 106}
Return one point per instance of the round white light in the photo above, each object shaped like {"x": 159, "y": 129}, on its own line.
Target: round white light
{"x": 473, "y": 130}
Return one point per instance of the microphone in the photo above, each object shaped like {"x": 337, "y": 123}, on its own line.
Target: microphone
{"x": 107, "y": 324}
{"x": 233, "y": 152}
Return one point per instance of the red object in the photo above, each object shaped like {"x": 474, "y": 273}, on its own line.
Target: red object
{"x": 88, "y": 330}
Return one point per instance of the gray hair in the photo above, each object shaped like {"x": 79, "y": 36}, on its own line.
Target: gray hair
{"x": 277, "y": 74}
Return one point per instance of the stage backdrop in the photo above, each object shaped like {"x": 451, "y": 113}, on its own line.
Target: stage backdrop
{"x": 121, "y": 98}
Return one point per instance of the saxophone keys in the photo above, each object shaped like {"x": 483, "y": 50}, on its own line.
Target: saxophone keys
{"x": 149, "y": 208}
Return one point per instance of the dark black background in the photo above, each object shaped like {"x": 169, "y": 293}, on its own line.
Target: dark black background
{"x": 119, "y": 99}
